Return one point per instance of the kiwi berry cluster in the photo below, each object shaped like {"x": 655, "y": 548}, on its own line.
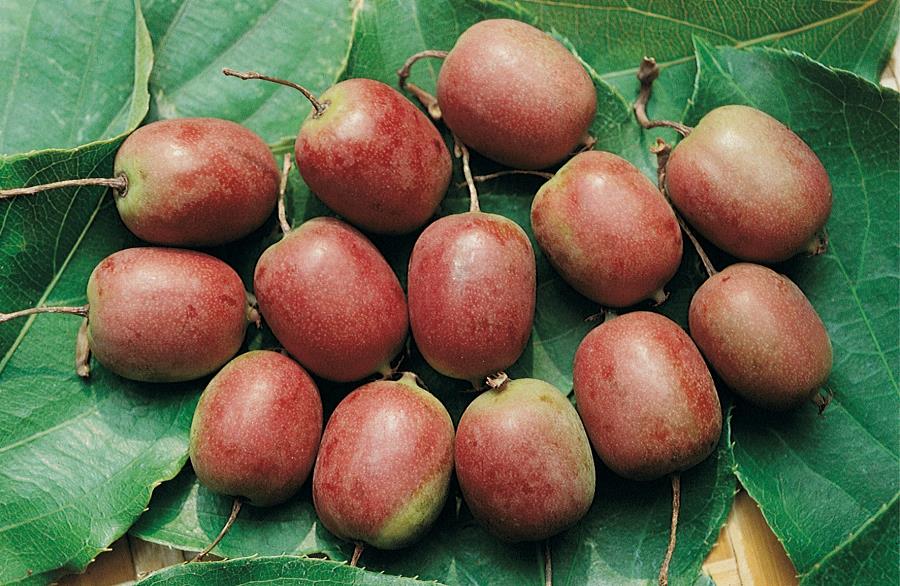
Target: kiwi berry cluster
{"x": 381, "y": 469}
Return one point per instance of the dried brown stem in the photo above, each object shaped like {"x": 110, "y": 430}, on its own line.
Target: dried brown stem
{"x": 676, "y": 506}
{"x": 489, "y": 176}
{"x": 823, "y": 400}
{"x": 282, "y": 189}
{"x": 461, "y": 151}
{"x": 647, "y": 74}
{"x": 357, "y": 551}
{"x": 81, "y": 310}
{"x": 497, "y": 380}
{"x": 548, "y": 565}
{"x": 427, "y": 100}
{"x": 120, "y": 184}
{"x": 83, "y": 351}
{"x": 662, "y": 150}
{"x": 235, "y": 509}
{"x": 318, "y": 106}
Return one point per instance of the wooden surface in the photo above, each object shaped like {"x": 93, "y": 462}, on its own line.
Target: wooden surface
{"x": 747, "y": 553}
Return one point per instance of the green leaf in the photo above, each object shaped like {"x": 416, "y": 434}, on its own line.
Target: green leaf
{"x": 305, "y": 42}
{"x": 819, "y": 480}
{"x": 620, "y": 541}
{"x": 78, "y": 460}
{"x": 72, "y": 74}
{"x": 277, "y": 571}
{"x": 185, "y": 514}
{"x": 868, "y": 556}
{"x": 613, "y": 36}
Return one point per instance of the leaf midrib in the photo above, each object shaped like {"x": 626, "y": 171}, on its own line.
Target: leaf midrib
{"x": 738, "y": 44}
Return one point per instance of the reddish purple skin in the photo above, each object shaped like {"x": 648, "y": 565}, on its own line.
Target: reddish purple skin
{"x": 387, "y": 444}
{"x": 607, "y": 230}
{"x": 750, "y": 185}
{"x": 646, "y": 397}
{"x": 762, "y": 335}
{"x": 164, "y": 314}
{"x": 374, "y": 158}
{"x": 515, "y": 94}
{"x": 195, "y": 182}
{"x": 472, "y": 294}
{"x": 256, "y": 429}
{"x": 523, "y": 461}
{"x": 332, "y": 300}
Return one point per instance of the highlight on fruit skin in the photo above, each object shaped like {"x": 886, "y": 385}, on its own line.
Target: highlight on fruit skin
{"x": 607, "y": 230}
{"x": 524, "y": 462}
{"x": 761, "y": 335}
{"x": 646, "y": 396}
{"x": 165, "y": 314}
{"x": 374, "y": 158}
{"x": 187, "y": 182}
{"x": 471, "y": 284}
{"x": 383, "y": 470}
{"x": 255, "y": 433}
{"x": 515, "y": 94}
{"x": 332, "y": 300}
{"x": 750, "y": 185}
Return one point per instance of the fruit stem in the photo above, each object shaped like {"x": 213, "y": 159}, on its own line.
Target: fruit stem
{"x": 548, "y": 565}
{"x": 83, "y": 351}
{"x": 427, "y": 100}
{"x": 647, "y": 74}
{"x": 461, "y": 151}
{"x": 821, "y": 401}
{"x": 819, "y": 244}
{"x": 676, "y": 505}
{"x": 119, "y": 184}
{"x": 357, "y": 551}
{"x": 318, "y": 106}
{"x": 496, "y": 381}
{"x": 662, "y": 150}
{"x": 489, "y": 176}
{"x": 81, "y": 310}
{"x": 235, "y": 509}
{"x": 282, "y": 188}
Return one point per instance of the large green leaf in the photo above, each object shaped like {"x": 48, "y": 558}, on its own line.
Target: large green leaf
{"x": 78, "y": 460}
{"x": 614, "y": 35}
{"x": 71, "y": 74}
{"x": 276, "y": 571}
{"x": 819, "y": 480}
{"x": 305, "y": 42}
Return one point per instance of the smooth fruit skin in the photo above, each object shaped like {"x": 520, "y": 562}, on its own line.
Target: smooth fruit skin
{"x": 607, "y": 230}
{"x": 523, "y": 461}
{"x": 164, "y": 314}
{"x": 195, "y": 182}
{"x": 762, "y": 335}
{"x": 256, "y": 430}
{"x": 515, "y": 94}
{"x": 750, "y": 185}
{"x": 471, "y": 291}
{"x": 646, "y": 397}
{"x": 384, "y": 465}
{"x": 332, "y": 300}
{"x": 374, "y": 158}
